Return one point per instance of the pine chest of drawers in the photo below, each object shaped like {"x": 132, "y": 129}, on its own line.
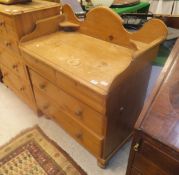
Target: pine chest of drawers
{"x": 89, "y": 80}
{"x": 15, "y": 22}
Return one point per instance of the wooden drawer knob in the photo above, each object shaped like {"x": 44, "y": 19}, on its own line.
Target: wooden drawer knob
{"x": 2, "y": 23}
{"x": 8, "y": 43}
{"x": 22, "y": 88}
{"x": 5, "y": 74}
{"x": 42, "y": 86}
{"x": 79, "y": 112}
{"x": 15, "y": 66}
{"x": 48, "y": 117}
{"x": 79, "y": 136}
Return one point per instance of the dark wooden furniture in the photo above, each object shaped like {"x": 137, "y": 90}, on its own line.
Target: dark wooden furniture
{"x": 172, "y": 21}
{"x": 155, "y": 147}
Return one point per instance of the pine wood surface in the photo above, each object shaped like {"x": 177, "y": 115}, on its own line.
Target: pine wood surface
{"x": 16, "y": 21}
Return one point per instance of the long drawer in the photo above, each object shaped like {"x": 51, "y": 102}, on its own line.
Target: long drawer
{"x": 13, "y": 63}
{"x": 74, "y": 88}
{"x": 70, "y": 105}
{"x": 80, "y": 133}
{"x": 18, "y": 86}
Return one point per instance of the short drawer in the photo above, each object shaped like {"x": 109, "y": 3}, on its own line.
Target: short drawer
{"x": 13, "y": 63}
{"x": 41, "y": 68}
{"x": 7, "y": 27}
{"x": 80, "y": 133}
{"x": 70, "y": 105}
{"x": 82, "y": 92}
{"x": 18, "y": 86}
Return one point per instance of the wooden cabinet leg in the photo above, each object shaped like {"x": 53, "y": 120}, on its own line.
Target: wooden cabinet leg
{"x": 39, "y": 113}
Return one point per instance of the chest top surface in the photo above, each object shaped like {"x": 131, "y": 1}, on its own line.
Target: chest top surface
{"x": 162, "y": 119}
{"x": 26, "y": 7}
{"x": 89, "y": 59}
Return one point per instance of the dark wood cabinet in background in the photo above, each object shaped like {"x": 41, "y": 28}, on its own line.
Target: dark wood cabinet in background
{"x": 155, "y": 146}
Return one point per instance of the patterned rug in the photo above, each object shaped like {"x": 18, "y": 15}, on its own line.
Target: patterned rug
{"x": 33, "y": 153}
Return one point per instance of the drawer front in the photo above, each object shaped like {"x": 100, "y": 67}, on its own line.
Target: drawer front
{"x": 3, "y": 29}
{"x": 70, "y": 105}
{"x": 13, "y": 63}
{"x": 3, "y": 25}
{"x": 74, "y": 128}
{"x": 40, "y": 68}
{"x": 152, "y": 160}
{"x": 9, "y": 45}
{"x": 6, "y": 21}
{"x": 7, "y": 27}
{"x": 18, "y": 86}
{"x": 81, "y": 92}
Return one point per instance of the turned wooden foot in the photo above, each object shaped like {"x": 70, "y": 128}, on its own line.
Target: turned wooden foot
{"x": 48, "y": 117}
{"x": 102, "y": 163}
{"x": 39, "y": 113}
